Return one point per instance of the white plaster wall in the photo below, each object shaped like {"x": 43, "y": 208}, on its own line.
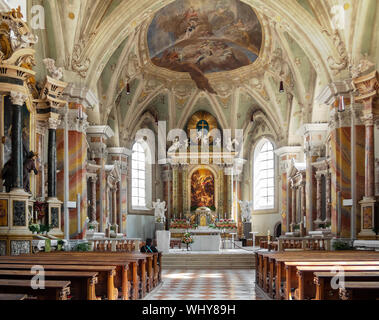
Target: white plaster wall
{"x": 140, "y": 226}
{"x": 264, "y": 222}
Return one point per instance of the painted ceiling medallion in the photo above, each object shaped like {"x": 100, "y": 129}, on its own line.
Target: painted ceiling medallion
{"x": 204, "y": 36}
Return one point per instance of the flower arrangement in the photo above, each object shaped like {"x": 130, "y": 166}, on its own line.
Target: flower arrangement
{"x": 187, "y": 238}
{"x": 179, "y": 224}
{"x": 45, "y": 228}
{"x": 34, "y": 228}
{"x": 226, "y": 224}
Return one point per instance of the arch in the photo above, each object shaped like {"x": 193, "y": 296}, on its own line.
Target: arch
{"x": 263, "y": 177}
{"x": 140, "y": 178}
{"x": 278, "y": 229}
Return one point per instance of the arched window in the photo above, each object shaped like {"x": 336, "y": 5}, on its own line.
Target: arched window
{"x": 138, "y": 177}
{"x": 264, "y": 176}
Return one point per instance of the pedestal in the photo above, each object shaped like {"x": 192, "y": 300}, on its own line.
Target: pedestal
{"x": 367, "y": 218}
{"x": 15, "y": 236}
{"x": 159, "y": 226}
{"x": 54, "y": 216}
{"x": 163, "y": 241}
{"x": 254, "y": 233}
{"x": 246, "y": 229}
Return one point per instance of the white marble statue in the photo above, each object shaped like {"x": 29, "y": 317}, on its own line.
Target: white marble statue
{"x": 160, "y": 209}
{"x": 246, "y": 208}
{"x": 56, "y": 73}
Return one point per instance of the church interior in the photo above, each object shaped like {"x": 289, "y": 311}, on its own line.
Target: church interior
{"x": 189, "y": 149}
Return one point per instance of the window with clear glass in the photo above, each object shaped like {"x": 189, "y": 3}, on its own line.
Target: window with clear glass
{"x": 138, "y": 177}
{"x": 264, "y": 176}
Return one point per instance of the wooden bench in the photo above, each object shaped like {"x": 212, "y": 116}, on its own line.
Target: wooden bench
{"x": 305, "y": 278}
{"x": 153, "y": 263}
{"x": 317, "y": 256}
{"x": 270, "y": 268}
{"x": 136, "y": 261}
{"x": 12, "y": 296}
{"x": 143, "y": 274}
{"x": 82, "y": 283}
{"x": 322, "y": 280}
{"x": 54, "y": 290}
{"x": 360, "y": 291}
{"x": 106, "y": 273}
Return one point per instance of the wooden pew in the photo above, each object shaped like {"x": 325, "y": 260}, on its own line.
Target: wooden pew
{"x": 54, "y": 290}
{"x": 270, "y": 265}
{"x": 106, "y": 273}
{"x": 138, "y": 262}
{"x": 306, "y": 288}
{"x": 322, "y": 280}
{"x": 12, "y": 296}
{"x": 140, "y": 272}
{"x": 153, "y": 262}
{"x": 82, "y": 283}
{"x": 313, "y": 256}
{"x": 360, "y": 291}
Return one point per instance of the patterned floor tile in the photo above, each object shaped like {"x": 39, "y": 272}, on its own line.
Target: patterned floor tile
{"x": 207, "y": 285}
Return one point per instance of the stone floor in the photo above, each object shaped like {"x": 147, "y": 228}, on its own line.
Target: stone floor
{"x": 207, "y": 285}
{"x": 245, "y": 250}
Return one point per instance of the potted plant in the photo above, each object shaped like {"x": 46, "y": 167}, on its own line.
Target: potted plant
{"x": 34, "y": 228}
{"x": 82, "y": 247}
{"x": 45, "y": 228}
{"x": 296, "y": 227}
{"x": 60, "y": 244}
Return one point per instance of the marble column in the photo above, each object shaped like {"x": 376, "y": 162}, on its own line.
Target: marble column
{"x": 230, "y": 195}
{"x": 54, "y": 205}
{"x": 369, "y": 159}
{"x": 52, "y": 158}
{"x": 221, "y": 193}
{"x": 367, "y": 87}
{"x": 290, "y": 208}
{"x": 93, "y": 199}
{"x": 303, "y": 204}
{"x": 114, "y": 208}
{"x": 175, "y": 176}
{"x": 293, "y": 209}
{"x": 328, "y": 198}
{"x": 319, "y": 196}
{"x": 18, "y": 100}
{"x": 186, "y": 209}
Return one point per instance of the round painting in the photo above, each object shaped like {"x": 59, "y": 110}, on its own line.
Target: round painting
{"x": 204, "y": 36}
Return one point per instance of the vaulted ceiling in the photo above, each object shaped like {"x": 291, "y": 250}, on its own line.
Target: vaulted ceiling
{"x": 105, "y": 44}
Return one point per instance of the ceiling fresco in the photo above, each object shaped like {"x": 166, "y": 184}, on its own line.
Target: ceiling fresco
{"x": 204, "y": 36}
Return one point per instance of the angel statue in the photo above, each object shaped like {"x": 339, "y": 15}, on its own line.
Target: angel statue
{"x": 160, "y": 209}
{"x": 246, "y": 208}
{"x": 56, "y": 73}
{"x": 175, "y": 146}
